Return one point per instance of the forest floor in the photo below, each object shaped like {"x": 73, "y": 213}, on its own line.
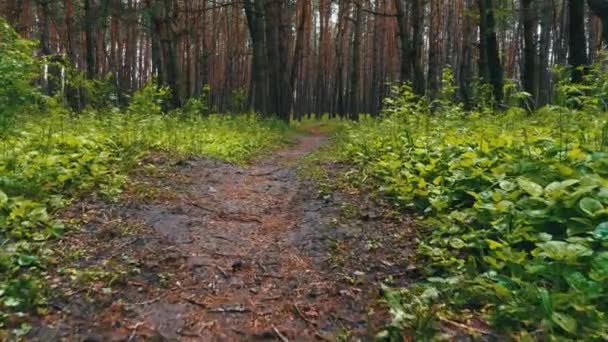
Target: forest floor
{"x": 202, "y": 250}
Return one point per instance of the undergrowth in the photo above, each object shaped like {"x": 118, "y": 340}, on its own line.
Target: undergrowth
{"x": 513, "y": 210}
{"x": 48, "y": 160}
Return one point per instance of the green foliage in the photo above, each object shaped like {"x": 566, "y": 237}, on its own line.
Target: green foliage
{"x": 46, "y": 161}
{"x": 514, "y": 212}
{"x": 148, "y": 100}
{"x": 18, "y": 69}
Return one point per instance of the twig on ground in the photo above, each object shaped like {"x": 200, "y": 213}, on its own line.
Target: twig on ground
{"x": 224, "y": 274}
{"x": 267, "y": 173}
{"x": 134, "y": 328}
{"x": 200, "y": 206}
{"x": 121, "y": 246}
{"x": 279, "y": 334}
{"x": 268, "y": 275}
{"x": 261, "y": 266}
{"x": 465, "y": 327}
{"x": 147, "y": 302}
{"x": 301, "y": 315}
{"x": 239, "y": 308}
{"x": 194, "y": 301}
{"x": 222, "y": 238}
{"x": 219, "y": 253}
{"x": 188, "y": 333}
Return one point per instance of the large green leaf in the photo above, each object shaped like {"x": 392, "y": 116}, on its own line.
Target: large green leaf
{"x": 566, "y": 322}
{"x": 555, "y": 189}
{"x": 601, "y": 231}
{"x": 590, "y": 206}
{"x": 530, "y": 187}
{"x": 561, "y": 250}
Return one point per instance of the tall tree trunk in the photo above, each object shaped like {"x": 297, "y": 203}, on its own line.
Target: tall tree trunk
{"x": 529, "y": 73}
{"x": 577, "y": 55}
{"x": 165, "y": 46}
{"x": 323, "y": 55}
{"x": 277, "y": 46}
{"x": 544, "y": 74}
{"x": 434, "y": 61}
{"x": 90, "y": 24}
{"x": 354, "y": 71}
{"x": 298, "y": 50}
{"x": 417, "y": 40}
{"x": 600, "y": 8}
{"x": 404, "y": 42}
{"x": 490, "y": 68}
{"x": 466, "y": 67}
{"x": 254, "y": 10}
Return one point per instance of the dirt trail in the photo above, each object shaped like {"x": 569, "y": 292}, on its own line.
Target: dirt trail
{"x": 224, "y": 253}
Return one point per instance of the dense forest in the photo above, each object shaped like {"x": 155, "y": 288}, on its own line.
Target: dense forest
{"x": 307, "y": 56}
{"x": 223, "y": 170}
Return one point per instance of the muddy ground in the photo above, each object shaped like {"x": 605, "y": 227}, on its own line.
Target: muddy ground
{"x": 202, "y": 250}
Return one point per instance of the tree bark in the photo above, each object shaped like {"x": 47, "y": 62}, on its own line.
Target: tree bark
{"x": 577, "y": 56}
{"x": 529, "y": 73}
{"x": 254, "y": 10}
{"x": 404, "y": 42}
{"x": 489, "y": 59}
{"x": 417, "y": 41}
{"x": 354, "y": 71}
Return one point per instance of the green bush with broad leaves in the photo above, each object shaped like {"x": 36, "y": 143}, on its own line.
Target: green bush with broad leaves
{"x": 513, "y": 209}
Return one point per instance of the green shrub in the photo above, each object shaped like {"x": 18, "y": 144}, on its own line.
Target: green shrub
{"x": 514, "y": 213}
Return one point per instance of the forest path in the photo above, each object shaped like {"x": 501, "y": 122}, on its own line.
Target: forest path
{"x": 224, "y": 253}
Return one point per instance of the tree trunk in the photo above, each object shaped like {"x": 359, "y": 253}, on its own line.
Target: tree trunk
{"x": 254, "y": 10}
{"x": 298, "y": 50}
{"x": 600, "y": 8}
{"x": 417, "y": 40}
{"x": 577, "y": 56}
{"x": 90, "y": 24}
{"x": 354, "y": 71}
{"x": 544, "y": 74}
{"x": 434, "y": 61}
{"x": 489, "y": 59}
{"x": 277, "y": 48}
{"x": 529, "y": 72}
{"x": 466, "y": 68}
{"x": 404, "y": 42}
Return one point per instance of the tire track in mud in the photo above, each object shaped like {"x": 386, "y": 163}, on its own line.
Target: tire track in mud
{"x": 245, "y": 251}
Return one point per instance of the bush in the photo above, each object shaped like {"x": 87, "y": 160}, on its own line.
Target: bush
{"x": 514, "y": 213}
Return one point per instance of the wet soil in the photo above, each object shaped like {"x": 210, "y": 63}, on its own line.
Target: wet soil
{"x": 202, "y": 250}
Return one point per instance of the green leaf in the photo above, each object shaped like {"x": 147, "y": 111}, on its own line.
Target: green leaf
{"x": 554, "y": 189}
{"x": 561, "y": 250}
{"x": 530, "y": 187}
{"x": 3, "y": 199}
{"x": 568, "y": 323}
{"x": 590, "y": 206}
{"x": 601, "y": 231}
{"x": 457, "y": 243}
{"x": 12, "y": 302}
{"x": 26, "y": 260}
